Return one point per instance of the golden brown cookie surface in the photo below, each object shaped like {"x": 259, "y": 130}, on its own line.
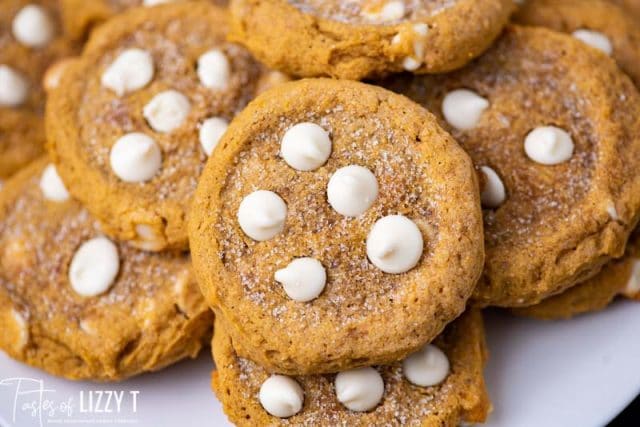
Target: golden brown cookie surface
{"x": 618, "y": 277}
{"x": 52, "y": 316}
{"x": 547, "y": 118}
{"x": 158, "y": 74}
{"x": 26, "y": 50}
{"x": 632, "y": 6}
{"x": 362, "y": 38}
{"x": 603, "y": 25}
{"x": 362, "y": 315}
{"x": 461, "y": 397}
{"x": 81, "y": 16}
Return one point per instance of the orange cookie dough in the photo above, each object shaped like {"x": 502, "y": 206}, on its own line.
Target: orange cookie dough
{"x": 81, "y": 16}
{"x": 619, "y": 277}
{"x": 361, "y": 38}
{"x": 459, "y": 398}
{"x": 599, "y": 23}
{"x": 132, "y": 122}
{"x": 553, "y": 127}
{"x": 77, "y": 305}
{"x": 337, "y": 226}
{"x": 30, "y": 40}
{"x": 632, "y": 6}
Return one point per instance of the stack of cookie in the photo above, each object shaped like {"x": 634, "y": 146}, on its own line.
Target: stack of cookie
{"x": 345, "y": 234}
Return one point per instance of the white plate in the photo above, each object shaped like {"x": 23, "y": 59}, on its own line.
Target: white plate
{"x": 581, "y": 372}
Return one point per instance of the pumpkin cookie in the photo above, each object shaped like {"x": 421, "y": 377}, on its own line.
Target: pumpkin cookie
{"x": 544, "y": 118}
{"x": 132, "y": 122}
{"x": 337, "y": 226}
{"x": 441, "y": 385}
{"x": 63, "y": 287}
{"x": 619, "y": 277}
{"x": 30, "y": 40}
{"x": 598, "y": 23}
{"x": 361, "y": 38}
{"x": 81, "y": 16}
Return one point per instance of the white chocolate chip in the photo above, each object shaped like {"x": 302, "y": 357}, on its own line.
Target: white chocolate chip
{"x": 548, "y": 145}
{"x": 52, "y": 186}
{"x": 493, "y": 194}
{"x": 415, "y": 61}
{"x": 633, "y": 285}
{"x": 594, "y": 39}
{"x": 1, "y": 184}
{"x": 411, "y": 64}
{"x": 390, "y": 12}
{"x": 352, "y": 190}
{"x": 426, "y": 367}
{"x": 214, "y": 69}
{"x": 306, "y": 146}
{"x": 167, "y": 110}
{"x": 359, "y": 389}
{"x": 281, "y": 396}
{"x": 131, "y": 70}
{"x": 22, "y": 338}
{"x": 88, "y": 327}
{"x": 135, "y": 157}
{"x": 211, "y": 133}
{"x": 462, "y": 108}
{"x": 303, "y": 279}
{"x": 262, "y": 215}
{"x": 94, "y": 267}
{"x": 32, "y": 26}
{"x": 612, "y": 211}
{"x": 147, "y": 238}
{"x": 395, "y": 244}
{"x": 54, "y": 73}
{"x": 14, "y": 88}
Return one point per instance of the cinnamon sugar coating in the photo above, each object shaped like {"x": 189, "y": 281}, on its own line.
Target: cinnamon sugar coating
{"x": 461, "y": 398}
{"x": 621, "y": 28}
{"x": 364, "y": 316}
{"x": 85, "y": 119}
{"x": 559, "y": 224}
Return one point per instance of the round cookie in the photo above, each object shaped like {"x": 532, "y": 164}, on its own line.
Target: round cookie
{"x": 30, "y": 40}
{"x": 307, "y": 285}
{"x": 599, "y": 23}
{"x": 618, "y": 277}
{"x": 362, "y": 38}
{"x": 63, "y": 287}
{"x": 545, "y": 119}
{"x": 129, "y": 124}
{"x": 459, "y": 397}
{"x": 81, "y": 16}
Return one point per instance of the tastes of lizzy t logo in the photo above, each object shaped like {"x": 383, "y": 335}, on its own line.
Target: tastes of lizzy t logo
{"x": 26, "y": 402}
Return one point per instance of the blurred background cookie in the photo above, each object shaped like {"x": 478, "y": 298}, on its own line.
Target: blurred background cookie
{"x": 81, "y": 16}
{"x": 133, "y": 121}
{"x": 357, "y": 39}
{"x": 79, "y": 305}
{"x": 598, "y": 23}
{"x": 31, "y": 39}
